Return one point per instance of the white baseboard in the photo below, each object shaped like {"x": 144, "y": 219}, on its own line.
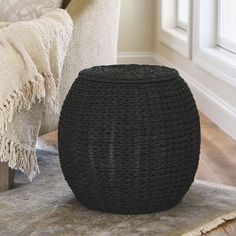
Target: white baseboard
{"x": 208, "y": 103}
{"x": 135, "y": 58}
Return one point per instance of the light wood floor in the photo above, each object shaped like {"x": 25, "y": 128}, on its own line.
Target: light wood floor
{"x": 218, "y": 153}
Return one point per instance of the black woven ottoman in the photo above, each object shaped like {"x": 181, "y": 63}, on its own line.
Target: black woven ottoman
{"x": 129, "y": 138}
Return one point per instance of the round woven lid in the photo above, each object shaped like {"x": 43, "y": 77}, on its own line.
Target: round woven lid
{"x": 129, "y": 74}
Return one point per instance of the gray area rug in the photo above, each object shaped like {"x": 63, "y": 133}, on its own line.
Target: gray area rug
{"x": 48, "y": 207}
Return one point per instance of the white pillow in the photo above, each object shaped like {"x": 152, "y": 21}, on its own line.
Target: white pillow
{"x": 17, "y": 10}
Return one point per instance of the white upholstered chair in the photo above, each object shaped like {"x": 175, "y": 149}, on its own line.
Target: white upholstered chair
{"x": 94, "y": 42}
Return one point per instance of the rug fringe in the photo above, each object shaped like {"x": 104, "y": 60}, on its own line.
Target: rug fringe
{"x": 4, "y": 24}
{"x": 18, "y": 157}
{"x": 207, "y": 228}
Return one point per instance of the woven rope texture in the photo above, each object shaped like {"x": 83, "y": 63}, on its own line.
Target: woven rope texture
{"x": 129, "y": 138}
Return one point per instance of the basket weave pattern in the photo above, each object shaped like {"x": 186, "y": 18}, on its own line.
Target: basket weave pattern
{"x": 129, "y": 138}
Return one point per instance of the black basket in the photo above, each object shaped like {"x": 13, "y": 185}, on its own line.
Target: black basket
{"x": 129, "y": 138}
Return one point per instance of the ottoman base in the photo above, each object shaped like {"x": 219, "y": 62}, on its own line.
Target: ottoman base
{"x": 129, "y": 210}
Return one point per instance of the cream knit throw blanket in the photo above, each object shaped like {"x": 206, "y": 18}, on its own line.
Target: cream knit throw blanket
{"x": 32, "y": 55}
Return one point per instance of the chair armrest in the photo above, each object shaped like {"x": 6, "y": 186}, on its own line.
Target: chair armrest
{"x": 94, "y": 42}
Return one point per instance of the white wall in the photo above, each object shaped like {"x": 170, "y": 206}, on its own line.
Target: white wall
{"x": 215, "y": 98}
{"x": 136, "y": 26}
